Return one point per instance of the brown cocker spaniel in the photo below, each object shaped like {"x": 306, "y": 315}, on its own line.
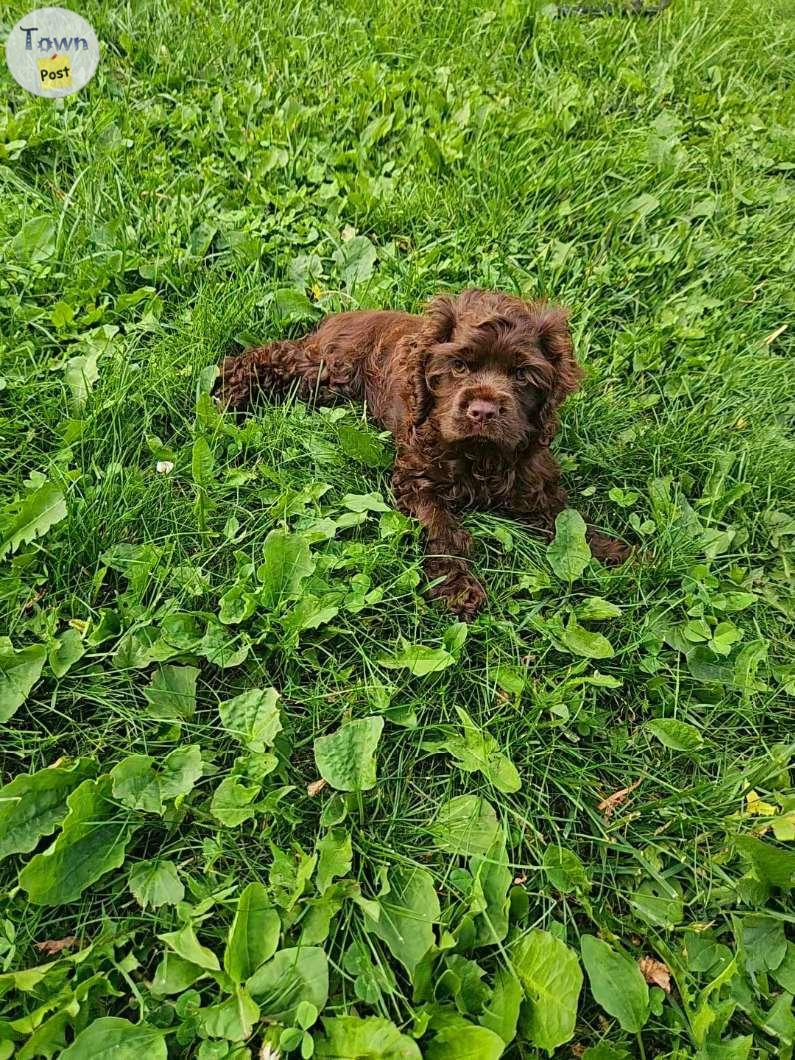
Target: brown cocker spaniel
{"x": 470, "y": 391}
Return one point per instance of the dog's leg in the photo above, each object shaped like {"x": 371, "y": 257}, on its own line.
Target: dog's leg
{"x": 447, "y": 544}
{"x": 280, "y": 367}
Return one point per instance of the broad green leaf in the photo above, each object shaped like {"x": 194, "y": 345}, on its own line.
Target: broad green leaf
{"x": 113, "y": 1038}
{"x": 186, "y": 945}
{"x": 659, "y": 903}
{"x": 356, "y": 259}
{"x": 364, "y": 1039}
{"x": 478, "y": 751}
{"x": 596, "y": 609}
{"x": 33, "y": 517}
{"x": 181, "y": 769}
{"x": 490, "y": 901}
{"x": 780, "y": 1021}
{"x": 19, "y": 672}
{"x": 677, "y": 735}
{"x": 501, "y": 1014}
{"x": 232, "y": 800}
{"x": 174, "y": 974}
{"x": 36, "y": 239}
{"x": 580, "y": 641}
{"x": 784, "y": 973}
{"x": 33, "y": 805}
{"x": 232, "y": 1019}
{"x": 616, "y": 982}
{"x": 141, "y": 785}
{"x": 335, "y": 856}
{"x": 377, "y": 129}
{"x": 346, "y": 758}
{"x": 292, "y": 304}
{"x": 135, "y": 784}
{"x": 465, "y": 1043}
{"x": 92, "y": 841}
{"x": 237, "y": 604}
{"x": 605, "y": 1051}
{"x": 564, "y": 870}
{"x": 287, "y": 562}
{"x": 254, "y": 934}
{"x": 407, "y": 914}
{"x": 568, "y": 553}
{"x": 202, "y": 463}
{"x": 551, "y": 980}
{"x": 155, "y": 883}
{"x": 290, "y": 977}
{"x": 465, "y": 825}
{"x": 364, "y": 502}
{"x": 764, "y": 943}
{"x": 80, "y": 375}
{"x": 309, "y": 613}
{"x": 364, "y": 447}
{"x": 223, "y": 647}
{"x": 65, "y": 652}
{"x": 171, "y": 694}
{"x": 253, "y": 718}
{"x": 418, "y": 659}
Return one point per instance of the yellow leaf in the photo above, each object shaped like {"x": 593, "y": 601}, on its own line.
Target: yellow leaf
{"x": 784, "y": 827}
{"x": 755, "y": 807}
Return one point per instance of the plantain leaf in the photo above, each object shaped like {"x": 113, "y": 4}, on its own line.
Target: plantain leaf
{"x": 65, "y": 652}
{"x": 568, "y": 553}
{"x": 551, "y": 979}
{"x": 290, "y": 977}
{"x": 113, "y": 1038}
{"x": 287, "y": 562}
{"x": 254, "y": 934}
{"x": 407, "y": 913}
{"x": 418, "y": 659}
{"x": 465, "y": 825}
{"x": 33, "y": 517}
{"x": 34, "y": 804}
{"x": 335, "y": 856}
{"x": 372, "y": 1038}
{"x": 253, "y": 718}
{"x": 171, "y": 694}
{"x": 155, "y": 883}
{"x": 92, "y": 841}
{"x": 346, "y": 758}
{"x": 19, "y": 672}
{"x": 465, "y": 1043}
{"x": 677, "y": 735}
{"x": 202, "y": 463}
{"x": 616, "y": 982}
{"x": 186, "y": 945}
{"x": 477, "y": 751}
{"x": 490, "y": 902}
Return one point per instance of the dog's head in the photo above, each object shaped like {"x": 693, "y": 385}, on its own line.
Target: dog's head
{"x": 491, "y": 367}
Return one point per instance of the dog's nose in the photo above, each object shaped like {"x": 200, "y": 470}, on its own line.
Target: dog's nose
{"x": 481, "y": 411}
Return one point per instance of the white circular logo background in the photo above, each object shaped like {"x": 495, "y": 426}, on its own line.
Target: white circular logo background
{"x": 52, "y": 52}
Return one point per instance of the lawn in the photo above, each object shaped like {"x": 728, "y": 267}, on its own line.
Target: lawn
{"x": 260, "y": 796}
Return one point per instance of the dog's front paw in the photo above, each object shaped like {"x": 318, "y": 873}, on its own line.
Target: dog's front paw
{"x": 462, "y": 593}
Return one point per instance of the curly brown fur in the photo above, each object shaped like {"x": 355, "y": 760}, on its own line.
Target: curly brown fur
{"x": 470, "y": 391}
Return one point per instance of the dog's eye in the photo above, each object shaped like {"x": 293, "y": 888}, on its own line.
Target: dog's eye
{"x": 522, "y": 374}
{"x": 459, "y": 367}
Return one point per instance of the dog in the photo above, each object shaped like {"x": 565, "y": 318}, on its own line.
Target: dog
{"x": 470, "y": 391}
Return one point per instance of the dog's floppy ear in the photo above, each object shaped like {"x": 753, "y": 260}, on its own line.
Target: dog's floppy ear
{"x": 551, "y": 324}
{"x": 438, "y": 326}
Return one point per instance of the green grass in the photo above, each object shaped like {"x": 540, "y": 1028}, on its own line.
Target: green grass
{"x": 233, "y": 171}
